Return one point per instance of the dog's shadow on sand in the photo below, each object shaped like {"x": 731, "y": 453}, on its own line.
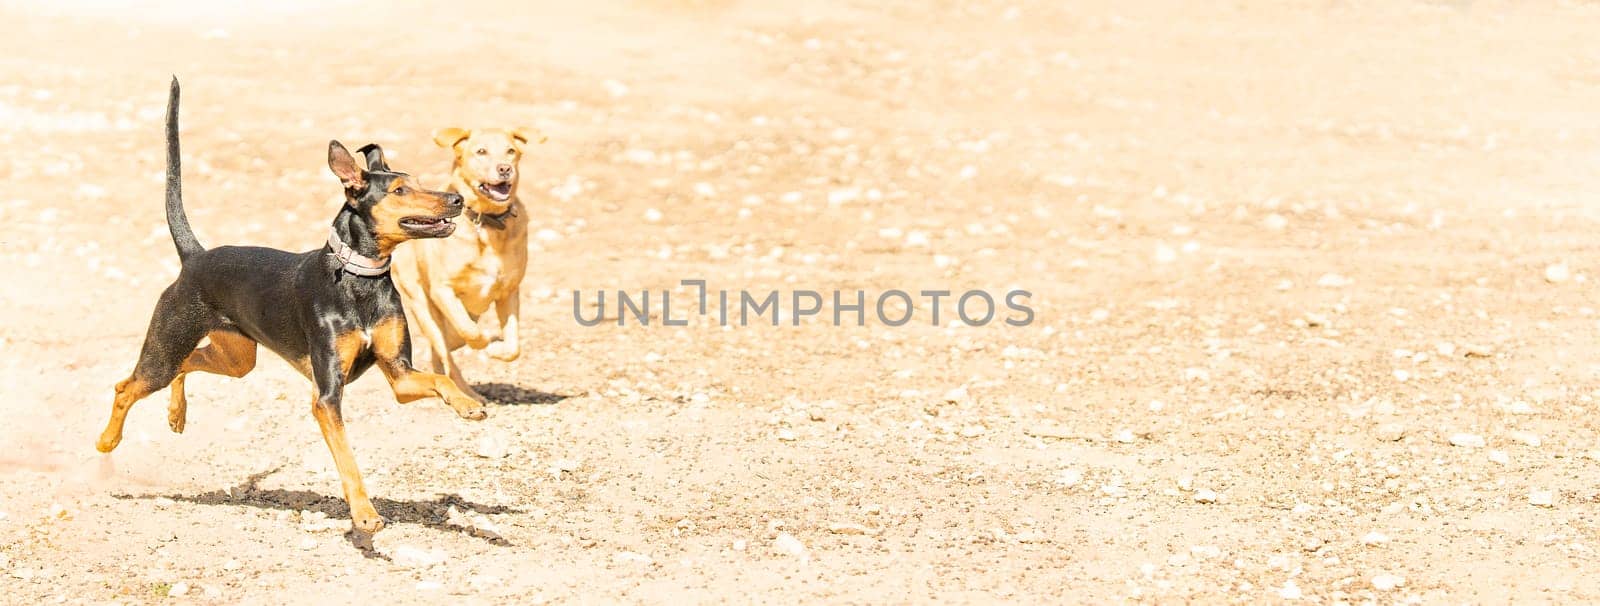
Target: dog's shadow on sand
{"x": 433, "y": 514}
{"x": 508, "y": 394}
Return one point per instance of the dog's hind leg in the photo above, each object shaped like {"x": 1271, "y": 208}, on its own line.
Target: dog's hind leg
{"x": 175, "y": 327}
{"x": 230, "y": 354}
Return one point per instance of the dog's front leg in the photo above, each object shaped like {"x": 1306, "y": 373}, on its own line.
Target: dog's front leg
{"x": 411, "y": 384}
{"x": 328, "y": 372}
{"x": 508, "y": 347}
{"x": 455, "y": 315}
{"x": 391, "y": 344}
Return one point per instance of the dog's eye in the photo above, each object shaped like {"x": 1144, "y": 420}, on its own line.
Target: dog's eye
{"x": 482, "y": 151}
{"x": 511, "y": 151}
{"x": 401, "y": 191}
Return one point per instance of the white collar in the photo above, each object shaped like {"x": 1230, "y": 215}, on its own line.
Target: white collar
{"x": 353, "y": 261}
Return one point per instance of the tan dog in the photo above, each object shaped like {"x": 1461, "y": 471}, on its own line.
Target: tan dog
{"x": 448, "y": 283}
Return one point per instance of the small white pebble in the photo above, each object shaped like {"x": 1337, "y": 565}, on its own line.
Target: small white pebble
{"x": 1165, "y": 254}
{"x": 410, "y": 556}
{"x": 1205, "y": 495}
{"x": 1467, "y": 440}
{"x": 490, "y": 446}
{"x": 1289, "y": 591}
{"x": 1387, "y": 582}
{"x": 1500, "y": 457}
{"x": 1374, "y": 538}
{"x": 1069, "y": 477}
{"x": 631, "y": 557}
{"x": 843, "y": 196}
{"x": 1557, "y": 273}
{"x": 786, "y": 544}
{"x": 615, "y": 89}
{"x": 1391, "y": 432}
{"x": 1542, "y": 498}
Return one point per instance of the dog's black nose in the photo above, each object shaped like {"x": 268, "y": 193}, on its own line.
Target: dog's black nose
{"x": 453, "y": 200}
{"x": 505, "y": 170}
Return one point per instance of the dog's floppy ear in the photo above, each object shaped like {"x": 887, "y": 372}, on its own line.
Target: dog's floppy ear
{"x": 449, "y": 137}
{"x": 528, "y": 134}
{"x": 345, "y": 168}
{"x": 374, "y": 155}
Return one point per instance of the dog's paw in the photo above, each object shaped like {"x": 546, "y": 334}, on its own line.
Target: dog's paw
{"x": 177, "y": 414}
{"x": 504, "y": 350}
{"x": 368, "y": 523}
{"x": 178, "y": 409}
{"x": 487, "y": 337}
{"x": 470, "y": 410}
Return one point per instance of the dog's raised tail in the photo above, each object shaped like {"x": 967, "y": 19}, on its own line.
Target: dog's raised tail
{"x": 177, "y": 223}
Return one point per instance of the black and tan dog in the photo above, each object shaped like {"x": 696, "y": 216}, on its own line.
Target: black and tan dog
{"x": 332, "y": 313}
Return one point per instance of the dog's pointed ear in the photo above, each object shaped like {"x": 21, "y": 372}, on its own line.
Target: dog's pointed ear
{"x": 449, "y": 137}
{"x": 528, "y": 134}
{"x": 345, "y": 168}
{"x": 374, "y": 156}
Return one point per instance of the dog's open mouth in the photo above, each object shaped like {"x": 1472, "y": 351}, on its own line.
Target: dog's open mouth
{"x": 428, "y": 227}
{"x": 499, "y": 192}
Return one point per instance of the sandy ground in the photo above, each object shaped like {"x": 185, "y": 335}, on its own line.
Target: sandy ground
{"x": 1312, "y": 282}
